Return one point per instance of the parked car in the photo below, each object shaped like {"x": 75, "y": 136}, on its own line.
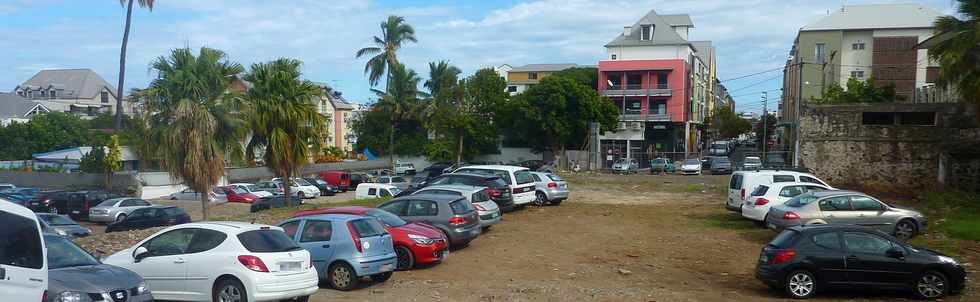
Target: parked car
{"x": 46, "y": 201}
{"x": 517, "y": 178}
{"x": 404, "y": 168}
{"x": 22, "y": 254}
{"x": 743, "y": 183}
{"x": 115, "y": 209}
{"x": 802, "y": 261}
{"x": 757, "y": 205}
{"x": 271, "y": 186}
{"x": 252, "y": 188}
{"x": 344, "y": 248}
{"x": 236, "y": 261}
{"x": 531, "y": 164}
{"x": 752, "y": 163}
{"x": 846, "y": 207}
{"x": 439, "y": 168}
{"x": 357, "y": 179}
{"x": 325, "y": 188}
{"x": 661, "y": 165}
{"x": 236, "y": 194}
{"x": 396, "y": 181}
{"x": 775, "y": 161}
{"x": 18, "y": 199}
{"x": 77, "y": 276}
{"x": 419, "y": 180}
{"x": 625, "y": 166}
{"x": 691, "y": 167}
{"x": 338, "y": 179}
{"x": 6, "y": 186}
{"x": 549, "y": 188}
{"x": 721, "y": 165}
{"x": 498, "y": 189}
{"x": 274, "y": 202}
{"x": 148, "y": 217}
{"x": 375, "y": 190}
{"x": 487, "y": 210}
{"x": 453, "y": 215}
{"x": 216, "y": 194}
{"x": 302, "y": 188}
{"x": 27, "y": 193}
{"x": 414, "y": 242}
{"x": 78, "y": 204}
{"x": 62, "y": 226}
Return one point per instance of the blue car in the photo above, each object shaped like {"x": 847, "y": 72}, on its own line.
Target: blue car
{"x": 344, "y": 247}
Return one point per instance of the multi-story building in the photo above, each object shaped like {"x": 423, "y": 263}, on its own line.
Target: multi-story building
{"x": 662, "y": 86}
{"x": 79, "y": 91}
{"x": 521, "y": 78}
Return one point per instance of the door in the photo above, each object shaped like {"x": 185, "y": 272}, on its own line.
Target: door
{"x": 734, "y": 190}
{"x": 165, "y": 268}
{"x": 830, "y": 259}
{"x": 399, "y": 208}
{"x": 198, "y": 262}
{"x": 871, "y": 213}
{"x": 425, "y": 211}
{"x": 868, "y": 264}
{"x": 23, "y": 272}
{"x": 138, "y": 219}
{"x": 315, "y": 237}
{"x": 835, "y": 210}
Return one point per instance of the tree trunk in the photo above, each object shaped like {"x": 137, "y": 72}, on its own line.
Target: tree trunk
{"x": 205, "y": 203}
{"x": 108, "y": 181}
{"x": 287, "y": 184}
{"x": 122, "y": 66}
{"x": 459, "y": 152}
{"x": 391, "y": 145}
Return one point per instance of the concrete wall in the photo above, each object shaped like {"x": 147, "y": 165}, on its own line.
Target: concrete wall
{"x": 841, "y": 149}
{"x": 121, "y": 182}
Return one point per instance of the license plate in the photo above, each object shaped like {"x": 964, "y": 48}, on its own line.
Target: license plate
{"x": 289, "y": 266}
{"x": 387, "y": 267}
{"x": 74, "y": 212}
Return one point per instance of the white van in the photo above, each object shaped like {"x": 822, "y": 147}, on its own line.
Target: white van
{"x": 742, "y": 183}
{"x": 23, "y": 257}
{"x": 519, "y": 179}
{"x": 370, "y": 190}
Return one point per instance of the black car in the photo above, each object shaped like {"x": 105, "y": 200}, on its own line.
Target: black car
{"x": 273, "y": 202}
{"x": 356, "y": 179}
{"x": 497, "y": 188}
{"x": 804, "y": 260}
{"x": 46, "y": 201}
{"x": 325, "y": 188}
{"x": 79, "y": 202}
{"x": 150, "y": 217}
{"x": 421, "y": 178}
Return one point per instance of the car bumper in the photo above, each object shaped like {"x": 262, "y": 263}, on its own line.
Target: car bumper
{"x": 690, "y": 172}
{"x": 721, "y": 171}
{"x": 376, "y": 265}
{"x": 768, "y": 274}
{"x": 779, "y": 225}
{"x": 286, "y": 287}
{"x": 505, "y": 204}
{"x": 432, "y": 253}
{"x": 464, "y": 235}
{"x": 560, "y": 194}
{"x": 733, "y": 205}
{"x": 754, "y": 212}
{"x": 101, "y": 217}
{"x": 488, "y": 218}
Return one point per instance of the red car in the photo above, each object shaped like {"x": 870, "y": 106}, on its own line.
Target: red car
{"x": 236, "y": 194}
{"x": 415, "y": 243}
{"x": 338, "y": 179}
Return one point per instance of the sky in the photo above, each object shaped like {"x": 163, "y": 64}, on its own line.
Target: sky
{"x": 750, "y": 35}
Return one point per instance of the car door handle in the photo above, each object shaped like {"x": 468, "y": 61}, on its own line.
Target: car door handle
{"x": 180, "y": 260}
{"x": 852, "y": 258}
{"x": 326, "y": 246}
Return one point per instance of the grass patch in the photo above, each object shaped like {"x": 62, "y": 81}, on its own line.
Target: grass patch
{"x": 960, "y": 211}
{"x": 744, "y": 227}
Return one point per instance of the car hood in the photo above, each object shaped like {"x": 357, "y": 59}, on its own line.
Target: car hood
{"x": 419, "y": 228}
{"x": 92, "y": 278}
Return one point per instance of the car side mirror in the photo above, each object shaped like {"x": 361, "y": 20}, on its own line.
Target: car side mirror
{"x": 140, "y": 253}
{"x": 895, "y": 252}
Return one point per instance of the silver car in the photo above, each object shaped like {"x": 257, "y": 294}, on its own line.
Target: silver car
{"x": 62, "y": 226}
{"x": 625, "y": 166}
{"x": 116, "y": 209}
{"x": 846, "y": 207}
{"x": 396, "y": 181}
{"x": 74, "y": 275}
{"x": 486, "y": 208}
{"x": 549, "y": 188}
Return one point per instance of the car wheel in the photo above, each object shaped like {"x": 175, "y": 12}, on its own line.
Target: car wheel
{"x": 931, "y": 285}
{"x": 342, "y": 277}
{"x": 406, "y": 260}
{"x": 800, "y": 284}
{"x": 301, "y": 195}
{"x": 905, "y": 230}
{"x": 540, "y": 199}
{"x": 229, "y": 290}
{"x": 382, "y": 277}
{"x": 121, "y": 217}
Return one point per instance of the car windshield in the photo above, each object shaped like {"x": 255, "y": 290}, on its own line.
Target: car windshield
{"x": 253, "y": 188}
{"x": 237, "y": 190}
{"x": 63, "y": 253}
{"x": 108, "y": 203}
{"x": 390, "y": 219}
{"x": 420, "y": 177}
{"x": 394, "y": 191}
{"x": 397, "y": 179}
{"x": 691, "y": 162}
{"x": 801, "y": 200}
{"x": 752, "y": 160}
{"x": 301, "y": 182}
{"x": 721, "y": 161}
{"x": 621, "y": 161}
{"x": 321, "y": 182}
{"x": 57, "y": 220}
{"x": 267, "y": 241}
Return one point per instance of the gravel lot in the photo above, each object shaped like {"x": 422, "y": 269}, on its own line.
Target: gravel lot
{"x": 618, "y": 238}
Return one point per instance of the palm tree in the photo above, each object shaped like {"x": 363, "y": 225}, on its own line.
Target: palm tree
{"x": 283, "y": 119}
{"x": 394, "y": 32}
{"x": 401, "y": 100}
{"x": 193, "y": 122}
{"x": 958, "y": 51}
{"x": 441, "y": 76}
{"x": 148, "y": 4}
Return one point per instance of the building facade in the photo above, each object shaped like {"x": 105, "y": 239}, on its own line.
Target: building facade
{"x": 14, "y": 108}
{"x": 79, "y": 91}
{"x": 521, "y": 78}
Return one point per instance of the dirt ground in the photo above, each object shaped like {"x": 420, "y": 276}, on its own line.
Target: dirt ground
{"x": 618, "y": 238}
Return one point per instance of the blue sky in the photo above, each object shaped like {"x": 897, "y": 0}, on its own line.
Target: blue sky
{"x": 750, "y": 35}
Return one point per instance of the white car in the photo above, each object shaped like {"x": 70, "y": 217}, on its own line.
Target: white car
{"x": 691, "y": 167}
{"x": 404, "y": 168}
{"x": 252, "y": 188}
{"x": 23, "y": 255}
{"x": 214, "y": 195}
{"x": 752, "y": 163}
{"x": 519, "y": 180}
{"x": 757, "y": 205}
{"x": 743, "y": 183}
{"x": 221, "y": 261}
{"x": 303, "y": 188}
{"x": 369, "y": 190}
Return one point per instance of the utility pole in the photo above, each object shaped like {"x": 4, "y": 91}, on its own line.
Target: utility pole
{"x": 765, "y": 134}
{"x": 796, "y": 113}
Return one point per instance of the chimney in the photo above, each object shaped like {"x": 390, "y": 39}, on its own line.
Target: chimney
{"x": 627, "y": 30}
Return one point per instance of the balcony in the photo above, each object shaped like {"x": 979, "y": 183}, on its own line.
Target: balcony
{"x": 638, "y": 90}
{"x": 631, "y": 116}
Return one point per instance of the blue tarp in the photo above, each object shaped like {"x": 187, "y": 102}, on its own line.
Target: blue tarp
{"x": 368, "y": 154}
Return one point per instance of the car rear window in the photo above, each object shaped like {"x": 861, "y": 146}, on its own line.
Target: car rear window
{"x": 523, "y": 177}
{"x": 461, "y": 207}
{"x": 480, "y": 196}
{"x": 736, "y": 182}
{"x": 783, "y": 178}
{"x": 760, "y": 191}
{"x": 555, "y": 177}
{"x": 267, "y": 241}
{"x": 368, "y": 227}
{"x": 20, "y": 243}
{"x": 499, "y": 173}
{"x": 784, "y": 239}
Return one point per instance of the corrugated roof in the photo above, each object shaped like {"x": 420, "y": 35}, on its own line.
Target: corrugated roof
{"x": 678, "y": 20}
{"x": 76, "y": 154}
{"x": 543, "y": 67}
{"x": 14, "y": 106}
{"x": 76, "y": 83}
{"x": 663, "y": 33}
{"x": 336, "y": 98}
{"x": 876, "y": 16}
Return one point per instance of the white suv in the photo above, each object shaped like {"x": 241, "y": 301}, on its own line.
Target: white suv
{"x": 757, "y": 205}
{"x": 221, "y": 261}
{"x": 23, "y": 256}
{"x": 519, "y": 180}
{"x": 742, "y": 183}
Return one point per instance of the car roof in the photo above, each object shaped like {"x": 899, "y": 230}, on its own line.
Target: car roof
{"x": 792, "y": 183}
{"x": 233, "y": 227}
{"x": 496, "y": 167}
{"x": 335, "y": 217}
{"x": 829, "y": 193}
{"x": 374, "y": 184}
{"x": 347, "y": 209}
{"x": 834, "y": 227}
{"x": 431, "y": 197}
{"x": 458, "y": 188}
{"x": 484, "y": 176}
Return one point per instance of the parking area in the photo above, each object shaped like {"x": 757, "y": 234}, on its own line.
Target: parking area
{"x": 618, "y": 238}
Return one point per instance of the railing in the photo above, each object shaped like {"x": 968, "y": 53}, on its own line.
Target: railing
{"x": 934, "y": 94}
{"x": 650, "y": 117}
{"x": 637, "y": 90}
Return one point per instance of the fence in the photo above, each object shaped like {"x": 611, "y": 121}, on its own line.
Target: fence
{"x": 934, "y": 94}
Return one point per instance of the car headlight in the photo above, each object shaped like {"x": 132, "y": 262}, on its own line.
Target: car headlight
{"x": 949, "y": 260}
{"x": 141, "y": 289}
{"x": 420, "y": 240}
{"x": 70, "y": 296}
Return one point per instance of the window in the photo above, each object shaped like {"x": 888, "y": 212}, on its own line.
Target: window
{"x": 372, "y": 192}
{"x": 398, "y": 208}
{"x": 613, "y": 56}
{"x": 814, "y": 189}
{"x": 267, "y": 241}
{"x": 532, "y": 75}
{"x": 841, "y": 203}
{"x": 386, "y": 217}
{"x": 783, "y": 178}
{"x": 877, "y": 118}
{"x": 614, "y": 81}
{"x": 646, "y": 32}
{"x": 736, "y": 182}
{"x": 536, "y": 178}
{"x": 130, "y": 203}
{"x": 461, "y": 207}
{"x": 368, "y": 227}
{"x": 205, "y": 240}
{"x": 105, "y": 97}
{"x": 53, "y": 94}
{"x": 811, "y": 180}
{"x": 384, "y": 180}
{"x": 20, "y": 244}
{"x": 864, "y": 203}
{"x": 866, "y": 243}
{"x": 422, "y": 208}
{"x": 43, "y": 93}
{"x": 290, "y": 228}
{"x": 791, "y": 191}
{"x": 827, "y": 240}
{"x": 857, "y": 46}
{"x": 385, "y": 193}
{"x": 170, "y": 243}
{"x": 30, "y": 94}
{"x": 511, "y": 88}
{"x": 316, "y": 230}
{"x": 523, "y": 177}
{"x": 784, "y": 239}
{"x": 658, "y": 107}
{"x": 820, "y": 53}
{"x": 801, "y": 200}
{"x": 760, "y": 191}
{"x": 917, "y": 118}
{"x": 857, "y": 74}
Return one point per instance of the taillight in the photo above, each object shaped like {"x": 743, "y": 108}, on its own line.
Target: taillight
{"x": 791, "y": 216}
{"x": 761, "y": 201}
{"x": 783, "y": 256}
{"x": 493, "y": 192}
{"x": 354, "y": 236}
{"x": 44, "y": 297}
{"x": 253, "y": 263}
{"x": 172, "y": 221}
{"x": 457, "y": 220}
{"x": 552, "y": 185}
{"x": 47, "y": 202}
{"x": 743, "y": 193}
{"x": 479, "y": 207}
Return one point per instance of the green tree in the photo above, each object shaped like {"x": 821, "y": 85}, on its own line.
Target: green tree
{"x": 93, "y": 161}
{"x": 148, "y": 4}
{"x": 193, "y": 121}
{"x": 46, "y": 132}
{"x": 442, "y": 77}
{"x": 857, "y": 92}
{"x": 283, "y": 120}
{"x": 585, "y": 75}
{"x": 113, "y": 160}
{"x": 769, "y": 130}
{"x": 400, "y": 102}
{"x": 958, "y": 51}
{"x": 727, "y": 124}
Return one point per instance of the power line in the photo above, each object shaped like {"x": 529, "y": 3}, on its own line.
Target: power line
{"x": 755, "y": 84}
{"x": 754, "y": 74}
{"x": 756, "y": 93}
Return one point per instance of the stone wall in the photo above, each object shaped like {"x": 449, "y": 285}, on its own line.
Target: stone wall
{"x": 842, "y": 147}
